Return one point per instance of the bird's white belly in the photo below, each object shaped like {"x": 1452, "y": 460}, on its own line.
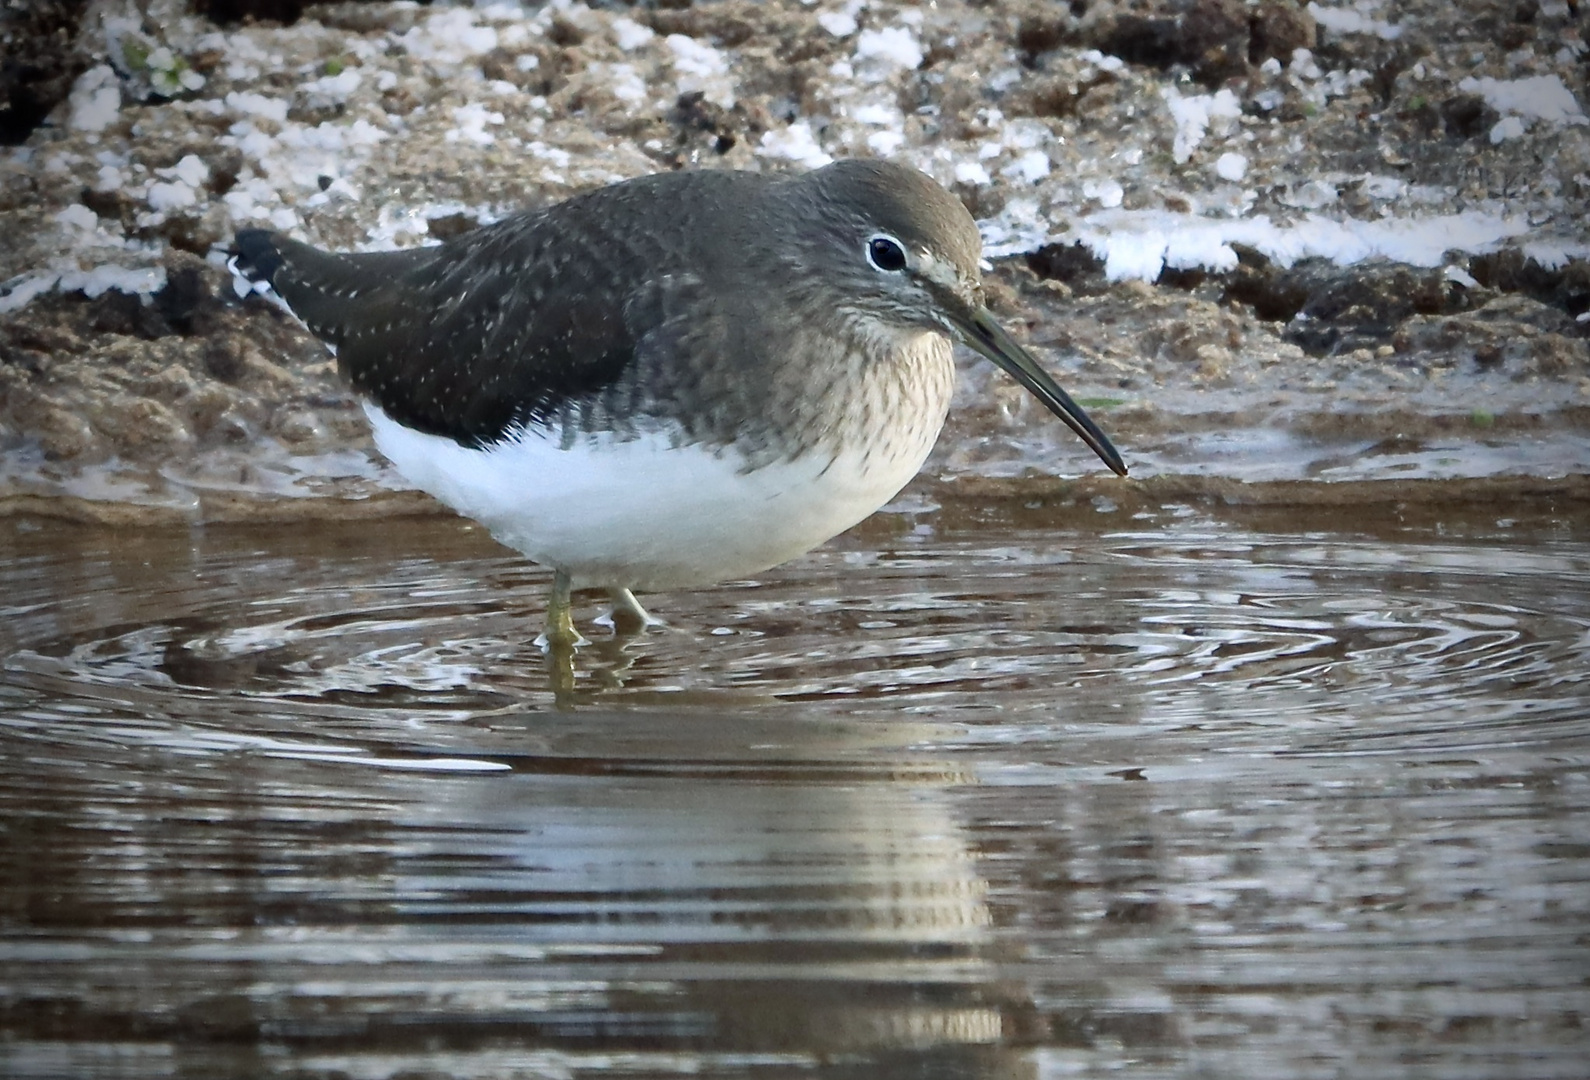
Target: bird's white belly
{"x": 643, "y": 514}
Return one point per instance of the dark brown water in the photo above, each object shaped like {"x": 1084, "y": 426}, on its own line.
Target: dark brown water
{"x": 1006, "y": 792}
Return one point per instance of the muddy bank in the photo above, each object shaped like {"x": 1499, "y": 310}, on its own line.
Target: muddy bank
{"x": 1263, "y": 243}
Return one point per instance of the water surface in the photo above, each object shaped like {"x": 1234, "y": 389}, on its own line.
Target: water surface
{"x": 1020, "y": 790}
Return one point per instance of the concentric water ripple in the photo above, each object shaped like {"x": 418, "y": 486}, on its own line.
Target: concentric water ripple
{"x": 959, "y": 796}
{"x": 1180, "y": 627}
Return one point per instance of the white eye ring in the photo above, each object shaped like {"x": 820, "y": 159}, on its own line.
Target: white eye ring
{"x": 885, "y": 254}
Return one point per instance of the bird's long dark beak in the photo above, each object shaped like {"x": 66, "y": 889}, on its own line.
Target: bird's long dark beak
{"x": 980, "y": 331}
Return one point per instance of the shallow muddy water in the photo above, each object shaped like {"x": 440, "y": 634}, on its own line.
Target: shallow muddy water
{"x": 1010, "y": 791}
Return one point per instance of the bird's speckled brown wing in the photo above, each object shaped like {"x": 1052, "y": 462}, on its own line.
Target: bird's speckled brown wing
{"x": 510, "y": 324}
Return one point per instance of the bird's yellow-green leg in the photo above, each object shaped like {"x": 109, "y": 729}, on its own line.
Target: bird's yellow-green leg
{"x": 560, "y": 634}
{"x": 628, "y": 616}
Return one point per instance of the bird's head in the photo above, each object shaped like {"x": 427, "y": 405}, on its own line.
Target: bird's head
{"x": 902, "y": 250}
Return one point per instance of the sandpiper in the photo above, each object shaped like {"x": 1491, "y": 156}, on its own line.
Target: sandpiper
{"x": 669, "y": 382}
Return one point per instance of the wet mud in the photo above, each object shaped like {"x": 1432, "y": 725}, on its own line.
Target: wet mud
{"x": 138, "y": 379}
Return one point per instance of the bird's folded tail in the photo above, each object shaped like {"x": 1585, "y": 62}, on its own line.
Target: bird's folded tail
{"x": 318, "y": 286}
{"x": 254, "y": 256}
{"x": 254, "y": 264}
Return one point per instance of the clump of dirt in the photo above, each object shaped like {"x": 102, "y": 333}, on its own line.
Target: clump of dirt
{"x": 40, "y": 62}
{"x": 146, "y": 381}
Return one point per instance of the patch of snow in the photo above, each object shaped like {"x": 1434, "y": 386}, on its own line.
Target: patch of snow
{"x": 701, "y": 67}
{"x": 1303, "y": 65}
{"x": 191, "y": 170}
{"x": 1384, "y": 187}
{"x": 555, "y": 154}
{"x": 1336, "y": 83}
{"x": 251, "y": 140}
{"x": 138, "y": 280}
{"x": 243, "y": 55}
{"x": 1032, "y": 167}
{"x": 358, "y": 134}
{"x": 1140, "y": 243}
{"x": 171, "y": 196}
{"x": 256, "y": 198}
{"x": 1310, "y": 195}
{"x": 78, "y": 216}
{"x": 331, "y": 90}
{"x": 1541, "y": 97}
{"x": 1001, "y": 81}
{"x": 625, "y": 83}
{"x": 249, "y": 103}
{"x": 248, "y": 198}
{"x": 1019, "y": 227}
{"x": 502, "y": 12}
{"x": 1136, "y": 256}
{"x": 1108, "y": 192}
{"x": 472, "y": 120}
{"x": 1351, "y": 21}
{"x": 515, "y": 35}
{"x": 891, "y": 47}
{"x": 168, "y": 74}
{"x": 874, "y": 113}
{"x": 95, "y": 99}
{"x": 1025, "y": 134}
{"x": 1508, "y": 127}
{"x": 1554, "y": 255}
{"x": 338, "y": 190}
{"x": 402, "y": 226}
{"x": 449, "y": 37}
{"x": 972, "y": 172}
{"x": 841, "y": 24}
{"x": 1101, "y": 61}
{"x": 885, "y": 143}
{"x": 1196, "y": 114}
{"x": 298, "y": 159}
{"x": 86, "y": 230}
{"x": 1231, "y": 166}
{"x": 795, "y": 143}
{"x": 1459, "y": 276}
{"x": 631, "y": 35}
{"x": 20, "y": 291}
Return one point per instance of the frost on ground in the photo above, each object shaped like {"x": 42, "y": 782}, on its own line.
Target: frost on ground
{"x": 1347, "y": 222}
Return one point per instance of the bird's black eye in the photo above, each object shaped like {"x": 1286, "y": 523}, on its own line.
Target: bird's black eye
{"x": 886, "y": 254}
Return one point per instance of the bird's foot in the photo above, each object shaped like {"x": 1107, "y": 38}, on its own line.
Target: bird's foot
{"x": 627, "y": 618}
{"x": 566, "y": 639}
{"x": 560, "y": 634}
